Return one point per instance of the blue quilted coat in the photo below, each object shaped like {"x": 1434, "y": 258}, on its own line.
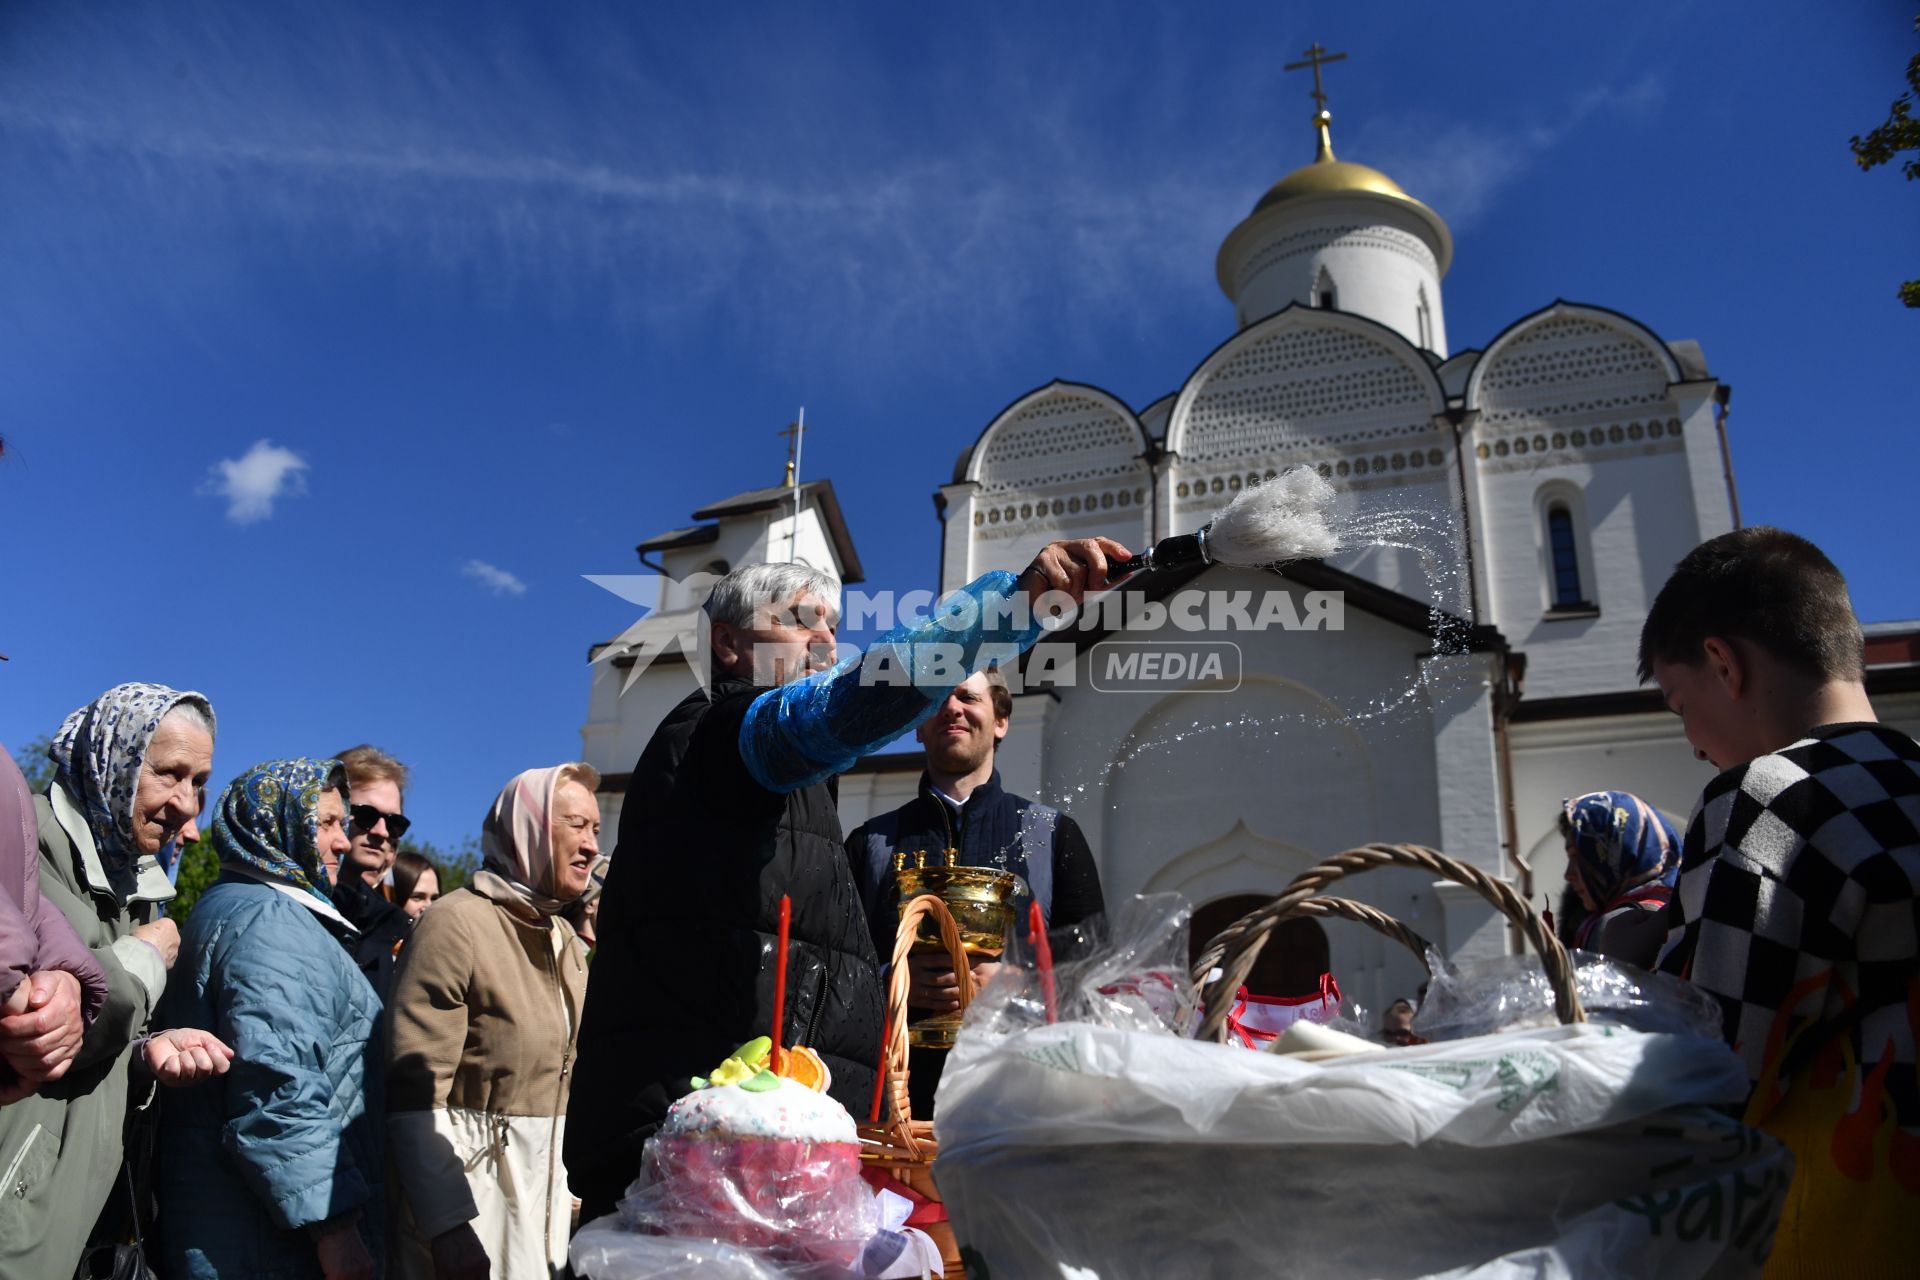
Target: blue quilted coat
{"x": 291, "y": 1135}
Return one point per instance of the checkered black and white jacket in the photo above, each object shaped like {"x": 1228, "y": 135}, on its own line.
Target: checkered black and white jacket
{"x": 1799, "y": 899}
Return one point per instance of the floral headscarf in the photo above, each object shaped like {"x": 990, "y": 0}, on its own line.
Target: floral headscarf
{"x": 268, "y": 821}
{"x": 1620, "y": 844}
{"x": 98, "y": 753}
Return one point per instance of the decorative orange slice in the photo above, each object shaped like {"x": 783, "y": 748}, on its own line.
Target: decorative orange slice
{"x": 804, "y": 1067}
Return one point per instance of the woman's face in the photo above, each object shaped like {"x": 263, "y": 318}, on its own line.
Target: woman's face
{"x": 173, "y": 778}
{"x": 426, "y": 891}
{"x": 1573, "y": 878}
{"x": 576, "y": 839}
{"x": 333, "y": 839}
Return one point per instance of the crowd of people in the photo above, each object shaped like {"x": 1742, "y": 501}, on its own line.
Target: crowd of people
{"x": 337, "y": 1070}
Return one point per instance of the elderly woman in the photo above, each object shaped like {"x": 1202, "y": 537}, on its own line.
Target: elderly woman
{"x": 485, "y": 1013}
{"x": 128, "y": 772}
{"x": 1622, "y": 859}
{"x": 280, "y": 1170}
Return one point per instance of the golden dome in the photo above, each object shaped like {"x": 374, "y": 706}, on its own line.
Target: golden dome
{"x": 1327, "y": 176}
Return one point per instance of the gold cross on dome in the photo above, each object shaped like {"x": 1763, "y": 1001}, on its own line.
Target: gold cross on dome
{"x": 1316, "y": 57}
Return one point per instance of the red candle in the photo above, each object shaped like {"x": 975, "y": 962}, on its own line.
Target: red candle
{"x": 880, "y": 1076}
{"x": 1043, "y": 956}
{"x": 780, "y": 978}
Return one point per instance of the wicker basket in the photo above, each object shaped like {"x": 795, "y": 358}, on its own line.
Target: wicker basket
{"x": 901, "y": 1145}
{"x": 1235, "y": 948}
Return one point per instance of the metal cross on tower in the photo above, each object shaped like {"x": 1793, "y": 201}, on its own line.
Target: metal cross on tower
{"x": 1316, "y": 58}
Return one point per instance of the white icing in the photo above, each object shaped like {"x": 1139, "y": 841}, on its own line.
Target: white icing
{"x": 790, "y": 1110}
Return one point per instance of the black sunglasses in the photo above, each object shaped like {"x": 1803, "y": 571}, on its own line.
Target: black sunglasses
{"x": 366, "y": 818}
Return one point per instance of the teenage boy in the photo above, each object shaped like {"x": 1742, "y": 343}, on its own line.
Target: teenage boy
{"x": 1797, "y": 905}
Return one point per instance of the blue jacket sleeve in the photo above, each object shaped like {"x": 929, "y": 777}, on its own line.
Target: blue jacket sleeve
{"x": 811, "y": 729}
{"x": 282, "y": 1128}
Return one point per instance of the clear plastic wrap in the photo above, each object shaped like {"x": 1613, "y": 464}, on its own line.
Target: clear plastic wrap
{"x": 801, "y": 1207}
{"x": 1126, "y": 971}
{"x": 811, "y": 729}
{"x": 1511, "y": 993}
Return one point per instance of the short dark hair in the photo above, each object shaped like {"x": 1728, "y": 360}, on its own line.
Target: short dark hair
{"x": 1763, "y": 585}
{"x": 998, "y": 694}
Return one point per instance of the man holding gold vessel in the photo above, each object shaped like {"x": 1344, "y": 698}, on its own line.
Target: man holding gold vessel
{"x": 963, "y": 817}
{"x": 730, "y": 807}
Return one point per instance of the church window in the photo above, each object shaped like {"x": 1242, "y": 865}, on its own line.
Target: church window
{"x": 1326, "y": 472}
{"x": 1614, "y": 434}
{"x": 1433, "y": 457}
{"x": 1482, "y": 452}
{"x": 1233, "y": 483}
{"x": 1140, "y": 495}
{"x": 1580, "y": 439}
{"x": 1566, "y": 559}
{"x": 1073, "y": 505}
{"x": 1559, "y": 440}
{"x": 1126, "y": 498}
{"x": 1325, "y": 296}
{"x": 1520, "y": 445}
{"x": 1567, "y": 575}
{"x": 1271, "y": 473}
{"x": 1181, "y": 490}
{"x": 1423, "y": 317}
{"x": 1501, "y": 448}
{"x": 979, "y": 518}
{"x": 1655, "y": 430}
{"x": 1106, "y": 501}
{"x": 1359, "y": 466}
{"x": 1634, "y": 432}
{"x": 1380, "y": 462}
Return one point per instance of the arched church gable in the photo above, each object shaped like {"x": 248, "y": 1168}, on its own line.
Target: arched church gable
{"x": 1062, "y": 434}
{"x": 1063, "y": 461}
{"x": 1571, "y": 366}
{"x": 1307, "y": 386}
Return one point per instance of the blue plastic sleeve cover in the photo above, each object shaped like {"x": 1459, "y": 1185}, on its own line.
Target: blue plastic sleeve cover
{"x": 811, "y": 729}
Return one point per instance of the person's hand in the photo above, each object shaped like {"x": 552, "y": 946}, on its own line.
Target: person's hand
{"x": 164, "y": 936}
{"x": 1076, "y": 569}
{"x": 186, "y": 1056}
{"x": 931, "y": 983}
{"x": 343, "y": 1254}
{"x": 983, "y": 971}
{"x": 459, "y": 1255}
{"x": 39, "y": 1041}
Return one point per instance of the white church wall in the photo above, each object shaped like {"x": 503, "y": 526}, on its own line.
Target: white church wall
{"x": 1211, "y": 793}
{"x": 1636, "y": 502}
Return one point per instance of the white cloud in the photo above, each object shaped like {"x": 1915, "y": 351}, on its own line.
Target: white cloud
{"x": 252, "y": 482}
{"x": 493, "y": 578}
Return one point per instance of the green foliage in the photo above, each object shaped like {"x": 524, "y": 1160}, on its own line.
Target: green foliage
{"x": 34, "y": 763}
{"x": 1899, "y": 134}
{"x": 455, "y": 867}
{"x": 199, "y": 868}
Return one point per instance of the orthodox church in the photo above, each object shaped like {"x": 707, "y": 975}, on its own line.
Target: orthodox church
{"x": 1517, "y": 505}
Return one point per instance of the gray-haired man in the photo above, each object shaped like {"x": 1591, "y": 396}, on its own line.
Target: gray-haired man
{"x": 732, "y": 806}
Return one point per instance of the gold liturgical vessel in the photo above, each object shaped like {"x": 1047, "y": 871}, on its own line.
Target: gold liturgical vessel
{"x": 980, "y": 900}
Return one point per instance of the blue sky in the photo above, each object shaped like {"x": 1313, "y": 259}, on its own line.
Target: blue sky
{"x": 505, "y": 288}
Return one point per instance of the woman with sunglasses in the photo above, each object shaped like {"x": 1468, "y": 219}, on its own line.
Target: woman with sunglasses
{"x": 485, "y": 1015}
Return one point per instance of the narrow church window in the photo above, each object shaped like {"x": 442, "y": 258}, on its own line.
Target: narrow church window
{"x": 1423, "y": 315}
{"x": 1566, "y": 560}
{"x": 1325, "y": 296}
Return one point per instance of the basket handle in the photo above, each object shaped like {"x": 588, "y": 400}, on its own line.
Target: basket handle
{"x": 1237, "y": 946}
{"x": 900, "y": 982}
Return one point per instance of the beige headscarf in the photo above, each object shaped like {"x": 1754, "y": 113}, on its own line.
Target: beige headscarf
{"x": 516, "y": 841}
